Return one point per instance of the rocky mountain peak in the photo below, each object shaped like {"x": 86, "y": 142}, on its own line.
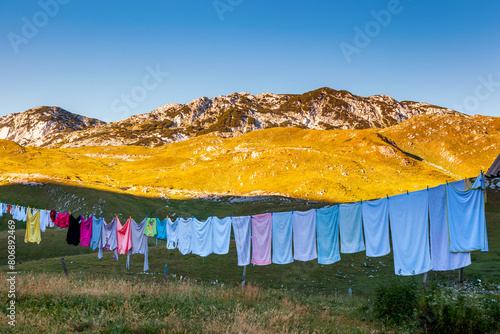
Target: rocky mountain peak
{"x": 227, "y": 115}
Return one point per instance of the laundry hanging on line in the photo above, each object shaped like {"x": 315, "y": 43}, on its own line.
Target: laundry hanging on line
{"x": 316, "y": 233}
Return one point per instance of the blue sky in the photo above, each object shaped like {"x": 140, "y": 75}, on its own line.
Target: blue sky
{"x": 112, "y": 59}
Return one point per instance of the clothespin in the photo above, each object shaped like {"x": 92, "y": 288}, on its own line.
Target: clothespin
{"x": 427, "y": 188}
{"x": 387, "y": 196}
{"x": 407, "y": 192}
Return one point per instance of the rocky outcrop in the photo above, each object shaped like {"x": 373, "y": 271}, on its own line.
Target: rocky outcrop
{"x": 229, "y": 115}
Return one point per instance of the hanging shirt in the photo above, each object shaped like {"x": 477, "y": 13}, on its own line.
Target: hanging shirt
{"x": 261, "y": 239}
{"x": 139, "y": 241}
{"x": 73, "y": 235}
{"x": 85, "y": 231}
{"x": 15, "y": 212}
{"x": 304, "y": 235}
{"x": 221, "y": 235}
{"x": 161, "y": 229}
{"x": 96, "y": 232}
{"x": 62, "y": 219}
{"x": 202, "y": 237}
{"x": 466, "y": 218}
{"x": 410, "y": 233}
{"x": 109, "y": 240}
{"x": 327, "y": 226}
{"x": 150, "y": 229}
{"x": 123, "y": 236}
{"x": 376, "y": 226}
{"x": 351, "y": 228}
{"x": 442, "y": 258}
{"x": 172, "y": 233}
{"x": 242, "y": 235}
{"x": 23, "y": 214}
{"x": 185, "y": 235}
{"x": 44, "y": 220}
{"x": 33, "y": 228}
{"x": 53, "y": 215}
{"x": 282, "y": 238}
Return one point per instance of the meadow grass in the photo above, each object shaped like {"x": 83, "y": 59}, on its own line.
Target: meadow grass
{"x": 199, "y": 294}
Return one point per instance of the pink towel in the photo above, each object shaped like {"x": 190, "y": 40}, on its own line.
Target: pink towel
{"x": 261, "y": 239}
{"x": 123, "y": 237}
{"x": 85, "y": 231}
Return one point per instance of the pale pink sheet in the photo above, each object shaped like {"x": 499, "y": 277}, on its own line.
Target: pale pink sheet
{"x": 261, "y": 239}
{"x": 123, "y": 238}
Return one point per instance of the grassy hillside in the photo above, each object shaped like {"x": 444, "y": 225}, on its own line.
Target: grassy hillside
{"x": 203, "y": 294}
{"x": 326, "y": 165}
{"x": 461, "y": 146}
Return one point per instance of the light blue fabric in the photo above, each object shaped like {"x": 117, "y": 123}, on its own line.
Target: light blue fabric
{"x": 96, "y": 232}
{"x": 409, "y": 222}
{"x": 172, "y": 233}
{"x": 221, "y": 235}
{"x": 139, "y": 242}
{"x": 161, "y": 229}
{"x": 351, "y": 228}
{"x": 466, "y": 218}
{"x": 108, "y": 238}
{"x": 202, "y": 237}
{"x": 304, "y": 235}
{"x": 282, "y": 238}
{"x": 185, "y": 235}
{"x": 327, "y": 227}
{"x": 442, "y": 258}
{"x": 242, "y": 235}
{"x": 376, "y": 226}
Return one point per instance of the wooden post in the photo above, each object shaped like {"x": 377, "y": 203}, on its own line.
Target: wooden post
{"x": 244, "y": 273}
{"x": 461, "y": 275}
{"x": 64, "y": 266}
{"x": 165, "y": 271}
{"x": 425, "y": 277}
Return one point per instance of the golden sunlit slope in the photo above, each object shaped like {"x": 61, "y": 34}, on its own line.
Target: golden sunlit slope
{"x": 336, "y": 165}
{"x": 328, "y": 165}
{"x": 461, "y": 146}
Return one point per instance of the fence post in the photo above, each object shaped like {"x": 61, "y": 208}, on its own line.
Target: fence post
{"x": 64, "y": 266}
{"x": 244, "y": 273}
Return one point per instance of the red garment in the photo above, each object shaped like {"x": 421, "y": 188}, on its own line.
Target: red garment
{"x": 53, "y": 215}
{"x": 62, "y": 219}
{"x": 8, "y": 208}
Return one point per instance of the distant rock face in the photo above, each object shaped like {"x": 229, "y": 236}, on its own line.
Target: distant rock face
{"x": 42, "y": 126}
{"x": 236, "y": 114}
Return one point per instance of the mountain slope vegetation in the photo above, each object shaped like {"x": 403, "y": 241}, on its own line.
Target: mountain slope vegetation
{"x": 325, "y": 165}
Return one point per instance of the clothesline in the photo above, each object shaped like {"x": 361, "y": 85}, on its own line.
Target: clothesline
{"x": 431, "y": 229}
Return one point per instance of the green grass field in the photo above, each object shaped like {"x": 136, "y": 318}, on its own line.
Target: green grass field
{"x": 198, "y": 294}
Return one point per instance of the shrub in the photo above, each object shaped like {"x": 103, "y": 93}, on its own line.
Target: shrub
{"x": 396, "y": 301}
{"x": 450, "y": 311}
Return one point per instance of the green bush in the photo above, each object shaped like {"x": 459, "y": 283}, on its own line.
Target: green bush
{"x": 449, "y": 311}
{"x": 396, "y": 300}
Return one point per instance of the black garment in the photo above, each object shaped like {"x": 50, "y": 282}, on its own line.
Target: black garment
{"x": 73, "y": 236}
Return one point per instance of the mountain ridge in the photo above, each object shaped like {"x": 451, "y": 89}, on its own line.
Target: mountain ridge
{"x": 230, "y": 115}
{"x": 325, "y": 165}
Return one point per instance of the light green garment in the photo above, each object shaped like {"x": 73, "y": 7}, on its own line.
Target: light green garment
{"x": 150, "y": 229}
